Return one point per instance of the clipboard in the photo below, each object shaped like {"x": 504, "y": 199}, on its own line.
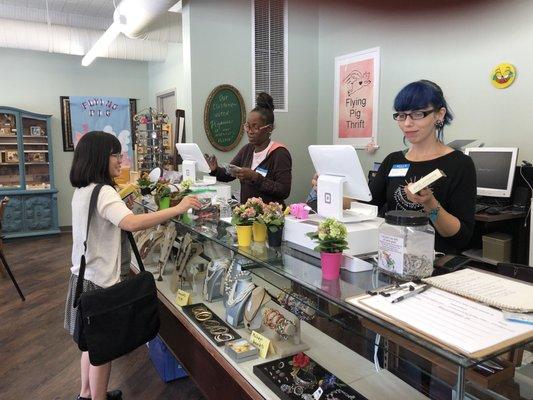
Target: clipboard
{"x": 453, "y": 339}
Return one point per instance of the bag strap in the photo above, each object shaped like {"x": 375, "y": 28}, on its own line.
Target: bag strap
{"x": 81, "y": 274}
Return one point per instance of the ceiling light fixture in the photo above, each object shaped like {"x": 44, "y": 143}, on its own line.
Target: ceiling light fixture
{"x": 130, "y": 18}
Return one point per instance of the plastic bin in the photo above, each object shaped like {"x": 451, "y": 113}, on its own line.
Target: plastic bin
{"x": 164, "y": 362}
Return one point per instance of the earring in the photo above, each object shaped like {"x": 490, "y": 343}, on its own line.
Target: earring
{"x": 439, "y": 124}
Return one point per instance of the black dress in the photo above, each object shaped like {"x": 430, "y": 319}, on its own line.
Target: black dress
{"x": 456, "y": 192}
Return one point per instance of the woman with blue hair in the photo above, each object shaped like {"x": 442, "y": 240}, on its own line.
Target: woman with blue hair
{"x": 422, "y": 113}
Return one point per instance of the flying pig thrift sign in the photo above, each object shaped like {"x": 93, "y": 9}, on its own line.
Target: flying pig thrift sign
{"x": 356, "y": 98}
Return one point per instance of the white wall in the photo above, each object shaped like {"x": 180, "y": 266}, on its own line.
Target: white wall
{"x": 35, "y": 80}
{"x": 217, "y": 35}
{"x": 167, "y": 75}
{"x": 455, "y": 46}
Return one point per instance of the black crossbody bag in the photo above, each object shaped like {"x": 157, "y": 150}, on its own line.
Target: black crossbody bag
{"x": 113, "y": 321}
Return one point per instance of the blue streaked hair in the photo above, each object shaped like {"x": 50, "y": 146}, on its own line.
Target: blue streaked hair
{"x": 421, "y": 94}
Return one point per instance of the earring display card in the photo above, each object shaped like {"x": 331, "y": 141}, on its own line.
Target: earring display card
{"x": 291, "y": 383}
{"x": 216, "y": 329}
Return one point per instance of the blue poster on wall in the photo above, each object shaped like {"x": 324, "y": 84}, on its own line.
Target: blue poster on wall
{"x": 108, "y": 114}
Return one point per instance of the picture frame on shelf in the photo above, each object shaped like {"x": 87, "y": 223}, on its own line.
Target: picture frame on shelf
{"x": 12, "y": 157}
{"x": 35, "y": 131}
{"x": 37, "y": 157}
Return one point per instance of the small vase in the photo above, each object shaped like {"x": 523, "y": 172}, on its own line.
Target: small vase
{"x": 331, "y": 265}
{"x": 244, "y": 235}
{"x": 145, "y": 191}
{"x": 164, "y": 202}
{"x": 260, "y": 232}
{"x": 274, "y": 238}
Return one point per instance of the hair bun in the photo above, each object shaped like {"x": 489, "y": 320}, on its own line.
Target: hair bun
{"x": 265, "y": 100}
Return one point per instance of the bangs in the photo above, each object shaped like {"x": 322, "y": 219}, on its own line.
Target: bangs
{"x": 414, "y": 96}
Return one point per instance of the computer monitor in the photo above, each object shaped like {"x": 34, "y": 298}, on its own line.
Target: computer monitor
{"x": 495, "y": 167}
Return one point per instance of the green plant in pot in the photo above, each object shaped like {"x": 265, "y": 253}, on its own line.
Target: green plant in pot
{"x": 183, "y": 189}
{"x": 243, "y": 217}
{"x": 145, "y": 184}
{"x": 331, "y": 239}
{"x": 162, "y": 194}
{"x": 259, "y": 230}
{"x": 273, "y": 218}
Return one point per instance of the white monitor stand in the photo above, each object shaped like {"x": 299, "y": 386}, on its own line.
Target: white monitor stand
{"x": 189, "y": 170}
{"x": 340, "y": 173}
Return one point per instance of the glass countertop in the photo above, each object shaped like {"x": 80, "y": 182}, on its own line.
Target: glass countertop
{"x": 304, "y": 270}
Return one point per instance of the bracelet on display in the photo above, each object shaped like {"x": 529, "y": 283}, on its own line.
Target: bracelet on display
{"x": 224, "y": 337}
{"x": 283, "y": 328}
{"x": 218, "y": 330}
{"x": 339, "y": 392}
{"x": 210, "y": 323}
{"x": 300, "y": 305}
{"x": 203, "y": 316}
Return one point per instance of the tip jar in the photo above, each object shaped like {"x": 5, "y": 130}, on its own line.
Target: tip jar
{"x": 406, "y": 245}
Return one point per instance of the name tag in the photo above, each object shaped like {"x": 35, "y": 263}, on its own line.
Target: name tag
{"x": 263, "y": 172}
{"x": 399, "y": 170}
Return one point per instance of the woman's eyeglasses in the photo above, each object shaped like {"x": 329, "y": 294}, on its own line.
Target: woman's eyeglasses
{"x": 249, "y": 128}
{"x": 418, "y": 114}
{"x": 118, "y": 156}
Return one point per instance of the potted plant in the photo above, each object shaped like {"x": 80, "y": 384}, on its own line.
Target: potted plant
{"x": 184, "y": 189}
{"x": 162, "y": 194}
{"x": 259, "y": 229}
{"x": 273, "y": 218}
{"x": 243, "y": 218}
{"x": 331, "y": 238}
{"x": 145, "y": 184}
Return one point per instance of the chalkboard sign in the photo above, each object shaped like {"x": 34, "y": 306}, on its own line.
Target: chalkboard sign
{"x": 224, "y": 117}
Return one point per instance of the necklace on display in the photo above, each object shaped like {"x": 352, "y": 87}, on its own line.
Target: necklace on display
{"x": 213, "y": 267}
{"x": 243, "y": 294}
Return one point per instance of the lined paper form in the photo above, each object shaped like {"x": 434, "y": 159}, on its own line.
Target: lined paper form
{"x": 469, "y": 327}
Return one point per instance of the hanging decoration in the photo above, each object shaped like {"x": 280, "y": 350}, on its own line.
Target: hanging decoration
{"x": 503, "y": 75}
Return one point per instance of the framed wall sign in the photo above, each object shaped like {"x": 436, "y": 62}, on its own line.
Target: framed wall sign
{"x": 224, "y": 117}
{"x": 66, "y": 122}
{"x": 356, "y": 98}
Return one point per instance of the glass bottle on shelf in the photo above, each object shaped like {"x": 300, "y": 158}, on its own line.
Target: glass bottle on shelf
{"x": 36, "y": 161}
{"x": 9, "y": 152}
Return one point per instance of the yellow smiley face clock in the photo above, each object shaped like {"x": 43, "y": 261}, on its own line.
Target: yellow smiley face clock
{"x": 503, "y": 75}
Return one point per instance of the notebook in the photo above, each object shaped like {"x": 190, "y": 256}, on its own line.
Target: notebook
{"x": 488, "y": 288}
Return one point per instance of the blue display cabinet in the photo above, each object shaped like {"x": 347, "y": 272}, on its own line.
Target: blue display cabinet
{"x": 27, "y": 175}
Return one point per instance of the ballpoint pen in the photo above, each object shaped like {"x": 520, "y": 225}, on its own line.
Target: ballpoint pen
{"x": 410, "y": 294}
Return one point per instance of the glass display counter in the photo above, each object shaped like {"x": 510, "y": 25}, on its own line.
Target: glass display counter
{"x": 373, "y": 356}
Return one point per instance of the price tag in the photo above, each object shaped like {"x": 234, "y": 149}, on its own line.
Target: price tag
{"x": 261, "y": 342}
{"x": 183, "y": 298}
{"x": 318, "y": 393}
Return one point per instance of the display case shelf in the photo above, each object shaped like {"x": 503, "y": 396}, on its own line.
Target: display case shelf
{"x": 287, "y": 270}
{"x": 29, "y": 151}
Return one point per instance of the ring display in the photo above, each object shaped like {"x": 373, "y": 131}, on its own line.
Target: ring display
{"x": 291, "y": 379}
{"x": 208, "y": 322}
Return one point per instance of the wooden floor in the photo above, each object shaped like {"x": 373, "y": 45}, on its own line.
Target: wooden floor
{"x": 38, "y": 359}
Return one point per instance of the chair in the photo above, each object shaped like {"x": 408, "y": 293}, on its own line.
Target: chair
{"x": 3, "y": 205}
